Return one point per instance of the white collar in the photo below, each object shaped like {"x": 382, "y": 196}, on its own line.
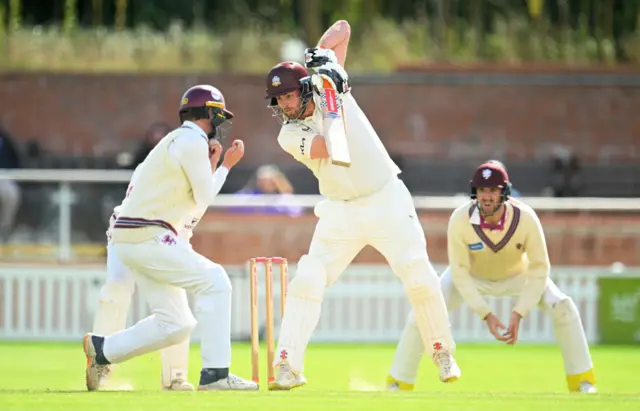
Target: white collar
{"x": 190, "y": 124}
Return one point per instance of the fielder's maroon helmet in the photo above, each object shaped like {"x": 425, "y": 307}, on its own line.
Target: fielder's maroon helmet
{"x": 491, "y": 174}
{"x": 204, "y": 102}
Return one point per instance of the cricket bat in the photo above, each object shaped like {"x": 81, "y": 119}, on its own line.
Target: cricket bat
{"x": 334, "y": 123}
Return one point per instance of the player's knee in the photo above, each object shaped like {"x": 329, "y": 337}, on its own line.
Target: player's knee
{"x": 416, "y": 271}
{"x": 564, "y": 312}
{"x": 215, "y": 281}
{"x": 176, "y": 326}
{"x": 117, "y": 292}
{"x": 310, "y": 280}
{"x": 178, "y": 334}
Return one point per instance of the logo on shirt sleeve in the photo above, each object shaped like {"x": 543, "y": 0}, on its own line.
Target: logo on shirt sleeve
{"x": 476, "y": 246}
{"x": 304, "y": 140}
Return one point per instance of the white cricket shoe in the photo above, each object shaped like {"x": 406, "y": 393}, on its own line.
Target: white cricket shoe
{"x": 586, "y": 386}
{"x": 95, "y": 373}
{"x": 287, "y": 379}
{"x": 179, "y": 385}
{"x": 230, "y": 383}
{"x": 449, "y": 370}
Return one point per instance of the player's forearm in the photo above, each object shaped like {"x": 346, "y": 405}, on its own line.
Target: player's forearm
{"x": 465, "y": 285}
{"x": 201, "y": 185}
{"x": 335, "y": 35}
{"x": 219, "y": 178}
{"x": 533, "y": 288}
{"x": 318, "y": 148}
{"x": 539, "y": 267}
{"x": 337, "y": 38}
{"x": 195, "y": 163}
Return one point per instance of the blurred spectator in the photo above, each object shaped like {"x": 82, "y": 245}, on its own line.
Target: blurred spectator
{"x": 268, "y": 179}
{"x": 9, "y": 190}
{"x": 566, "y": 179}
{"x": 154, "y": 134}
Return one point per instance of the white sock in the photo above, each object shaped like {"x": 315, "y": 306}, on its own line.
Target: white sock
{"x": 300, "y": 319}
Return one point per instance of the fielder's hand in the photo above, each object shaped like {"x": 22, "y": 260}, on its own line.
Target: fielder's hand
{"x": 494, "y": 324}
{"x": 215, "y": 151}
{"x": 514, "y": 327}
{"x": 234, "y": 154}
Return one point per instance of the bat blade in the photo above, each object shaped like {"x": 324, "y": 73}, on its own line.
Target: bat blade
{"x": 335, "y": 127}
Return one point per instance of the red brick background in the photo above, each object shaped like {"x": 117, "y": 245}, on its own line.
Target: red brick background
{"x": 573, "y": 238}
{"x": 87, "y": 113}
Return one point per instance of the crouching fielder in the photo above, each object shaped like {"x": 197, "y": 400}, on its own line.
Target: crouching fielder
{"x": 117, "y": 291}
{"x": 496, "y": 247}
{"x": 173, "y": 181}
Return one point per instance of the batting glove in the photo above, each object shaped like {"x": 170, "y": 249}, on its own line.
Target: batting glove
{"x": 336, "y": 75}
{"x": 315, "y": 57}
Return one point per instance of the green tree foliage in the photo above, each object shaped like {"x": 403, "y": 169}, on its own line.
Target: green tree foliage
{"x": 465, "y": 25}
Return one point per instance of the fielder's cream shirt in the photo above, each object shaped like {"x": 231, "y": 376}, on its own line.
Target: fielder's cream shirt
{"x": 173, "y": 186}
{"x": 495, "y": 255}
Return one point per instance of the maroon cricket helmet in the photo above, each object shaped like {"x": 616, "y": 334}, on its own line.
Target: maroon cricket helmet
{"x": 490, "y": 175}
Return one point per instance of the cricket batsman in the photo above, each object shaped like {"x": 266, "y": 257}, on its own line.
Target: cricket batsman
{"x": 365, "y": 204}
{"x": 496, "y": 246}
{"x": 118, "y": 289}
{"x": 174, "y": 183}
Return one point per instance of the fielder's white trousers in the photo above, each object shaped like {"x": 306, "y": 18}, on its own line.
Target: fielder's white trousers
{"x": 554, "y": 302}
{"x": 113, "y": 308}
{"x": 164, "y": 269}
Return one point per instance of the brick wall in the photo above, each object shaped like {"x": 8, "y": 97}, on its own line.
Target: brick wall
{"x": 459, "y": 116}
{"x": 573, "y": 238}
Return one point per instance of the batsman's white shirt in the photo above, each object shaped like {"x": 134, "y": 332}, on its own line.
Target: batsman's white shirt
{"x": 371, "y": 166}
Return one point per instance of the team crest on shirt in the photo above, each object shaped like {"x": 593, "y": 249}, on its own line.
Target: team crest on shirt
{"x": 476, "y": 246}
{"x": 168, "y": 239}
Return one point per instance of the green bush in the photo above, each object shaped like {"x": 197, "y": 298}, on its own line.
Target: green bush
{"x": 380, "y": 46}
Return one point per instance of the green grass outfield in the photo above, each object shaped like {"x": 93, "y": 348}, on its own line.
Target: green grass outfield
{"x": 41, "y": 376}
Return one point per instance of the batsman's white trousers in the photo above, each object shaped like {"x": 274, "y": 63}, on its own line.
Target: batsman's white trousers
{"x": 112, "y": 311}
{"x": 554, "y": 302}
{"x": 386, "y": 220}
{"x": 164, "y": 269}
